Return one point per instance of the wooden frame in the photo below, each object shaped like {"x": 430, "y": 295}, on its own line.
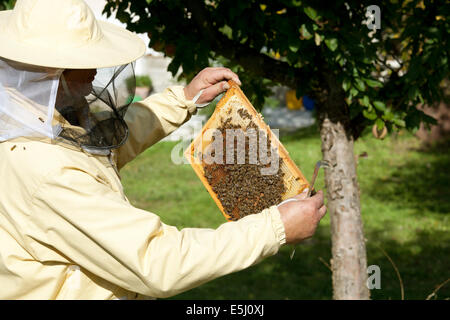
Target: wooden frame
{"x": 233, "y": 100}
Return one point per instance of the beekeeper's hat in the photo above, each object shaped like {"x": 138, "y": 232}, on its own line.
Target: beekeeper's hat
{"x": 64, "y": 34}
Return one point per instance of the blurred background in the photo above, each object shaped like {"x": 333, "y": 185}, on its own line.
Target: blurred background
{"x": 378, "y": 76}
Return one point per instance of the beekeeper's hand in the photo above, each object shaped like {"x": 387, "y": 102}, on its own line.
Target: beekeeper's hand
{"x": 301, "y": 215}
{"x": 213, "y": 81}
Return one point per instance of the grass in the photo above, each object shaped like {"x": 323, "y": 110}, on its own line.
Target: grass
{"x": 405, "y": 202}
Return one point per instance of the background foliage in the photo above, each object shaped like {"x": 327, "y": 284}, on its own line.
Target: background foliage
{"x": 384, "y": 74}
{"x": 7, "y": 4}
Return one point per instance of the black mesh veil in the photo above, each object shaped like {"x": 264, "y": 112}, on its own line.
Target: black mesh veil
{"x": 94, "y": 103}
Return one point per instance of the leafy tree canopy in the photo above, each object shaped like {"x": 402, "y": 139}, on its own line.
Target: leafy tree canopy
{"x": 383, "y": 74}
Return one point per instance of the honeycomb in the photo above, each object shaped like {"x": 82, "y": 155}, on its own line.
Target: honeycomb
{"x": 239, "y": 188}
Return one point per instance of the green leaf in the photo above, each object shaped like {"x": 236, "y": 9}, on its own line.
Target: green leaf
{"x": 421, "y": 98}
{"x": 346, "y": 84}
{"x": 369, "y": 115}
{"x": 380, "y": 124}
{"x": 317, "y": 39}
{"x": 294, "y": 48}
{"x": 311, "y": 13}
{"x": 226, "y": 30}
{"x": 353, "y": 92}
{"x": 379, "y": 105}
{"x": 373, "y": 83}
{"x": 305, "y": 33}
{"x": 400, "y": 122}
{"x": 365, "y": 101}
{"x": 388, "y": 116}
{"x": 340, "y": 59}
{"x": 360, "y": 85}
{"x": 7, "y": 4}
{"x": 332, "y": 44}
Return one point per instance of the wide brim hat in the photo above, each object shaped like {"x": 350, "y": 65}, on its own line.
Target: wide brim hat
{"x": 64, "y": 34}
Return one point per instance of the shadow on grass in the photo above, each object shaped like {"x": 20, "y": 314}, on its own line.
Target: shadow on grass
{"x": 420, "y": 184}
{"x": 423, "y": 263}
{"x": 421, "y": 187}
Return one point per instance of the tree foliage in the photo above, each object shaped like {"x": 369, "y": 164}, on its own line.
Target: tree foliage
{"x": 7, "y": 4}
{"x": 383, "y": 74}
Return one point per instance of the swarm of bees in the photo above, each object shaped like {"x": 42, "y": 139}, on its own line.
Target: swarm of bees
{"x": 242, "y": 189}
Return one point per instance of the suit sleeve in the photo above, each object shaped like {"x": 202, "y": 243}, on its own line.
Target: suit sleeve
{"x": 87, "y": 223}
{"x": 152, "y": 119}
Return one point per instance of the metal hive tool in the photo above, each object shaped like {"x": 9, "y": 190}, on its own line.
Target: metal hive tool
{"x": 231, "y": 106}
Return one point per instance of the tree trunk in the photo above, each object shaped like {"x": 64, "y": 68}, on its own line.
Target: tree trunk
{"x": 349, "y": 263}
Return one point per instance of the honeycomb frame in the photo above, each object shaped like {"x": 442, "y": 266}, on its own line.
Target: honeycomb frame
{"x": 234, "y": 100}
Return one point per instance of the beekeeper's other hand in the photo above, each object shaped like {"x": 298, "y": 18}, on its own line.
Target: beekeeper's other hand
{"x": 301, "y": 215}
{"x": 213, "y": 81}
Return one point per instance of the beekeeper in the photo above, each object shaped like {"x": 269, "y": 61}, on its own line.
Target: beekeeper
{"x": 67, "y": 230}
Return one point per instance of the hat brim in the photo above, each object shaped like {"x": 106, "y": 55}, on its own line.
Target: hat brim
{"x": 118, "y": 46}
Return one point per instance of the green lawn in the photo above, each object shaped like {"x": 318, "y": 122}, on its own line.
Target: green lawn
{"x": 405, "y": 206}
